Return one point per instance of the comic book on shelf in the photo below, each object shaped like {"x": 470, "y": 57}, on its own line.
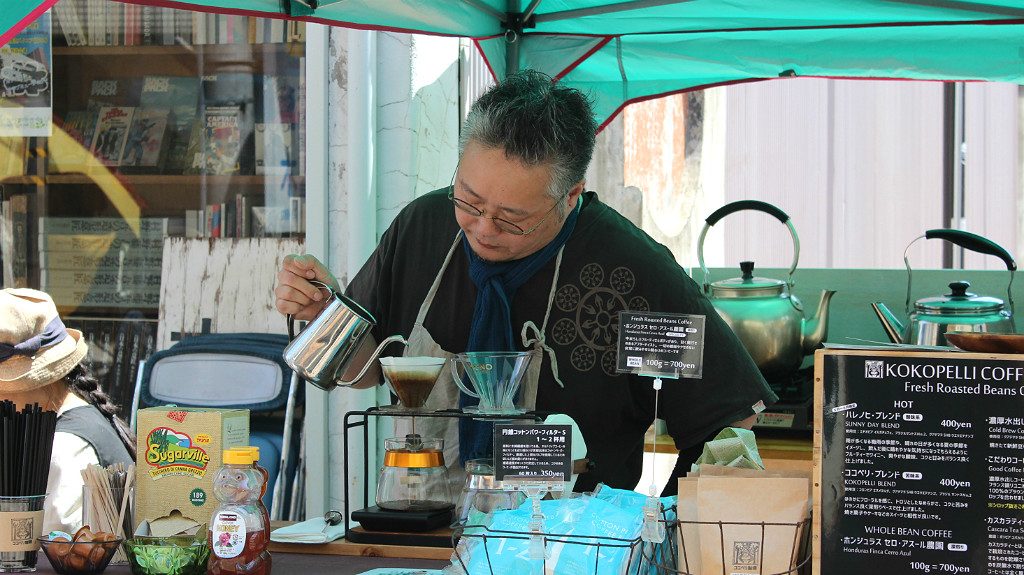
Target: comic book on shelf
{"x": 112, "y": 125}
{"x": 66, "y": 13}
{"x": 75, "y": 124}
{"x": 6, "y": 244}
{"x": 221, "y": 140}
{"x": 107, "y": 92}
{"x": 145, "y": 138}
{"x": 16, "y": 240}
{"x": 243, "y": 213}
{"x": 232, "y": 93}
{"x": 180, "y": 95}
{"x": 77, "y": 157}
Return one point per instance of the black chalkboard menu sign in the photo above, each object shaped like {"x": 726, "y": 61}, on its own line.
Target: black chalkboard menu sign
{"x": 921, "y": 463}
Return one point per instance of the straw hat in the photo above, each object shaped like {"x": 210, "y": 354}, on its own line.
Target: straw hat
{"x": 47, "y": 350}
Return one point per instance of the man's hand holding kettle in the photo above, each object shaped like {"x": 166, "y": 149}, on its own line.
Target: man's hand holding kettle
{"x": 295, "y": 295}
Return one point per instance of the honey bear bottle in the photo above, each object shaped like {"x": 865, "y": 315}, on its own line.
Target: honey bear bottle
{"x": 239, "y": 532}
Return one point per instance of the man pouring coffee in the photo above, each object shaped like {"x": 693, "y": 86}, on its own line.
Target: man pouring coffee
{"x": 516, "y": 256}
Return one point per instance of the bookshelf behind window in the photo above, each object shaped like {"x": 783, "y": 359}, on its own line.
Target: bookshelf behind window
{"x": 195, "y": 121}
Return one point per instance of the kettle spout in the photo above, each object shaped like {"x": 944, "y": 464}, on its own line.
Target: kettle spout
{"x": 892, "y": 326}
{"x": 815, "y": 329}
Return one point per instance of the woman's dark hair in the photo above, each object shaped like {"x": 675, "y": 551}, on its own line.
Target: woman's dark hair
{"x": 84, "y": 384}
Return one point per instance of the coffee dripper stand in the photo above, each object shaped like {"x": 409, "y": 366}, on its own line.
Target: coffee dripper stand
{"x": 403, "y": 377}
{"x": 359, "y": 421}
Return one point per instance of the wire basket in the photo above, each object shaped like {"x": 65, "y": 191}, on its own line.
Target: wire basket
{"x": 745, "y": 556}
{"x": 479, "y": 549}
{"x": 610, "y": 554}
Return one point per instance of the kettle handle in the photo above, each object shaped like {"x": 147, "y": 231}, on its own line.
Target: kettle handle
{"x": 291, "y": 318}
{"x": 741, "y": 205}
{"x": 746, "y": 205}
{"x": 973, "y": 242}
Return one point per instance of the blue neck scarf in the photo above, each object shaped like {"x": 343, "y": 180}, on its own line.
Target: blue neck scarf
{"x": 496, "y": 284}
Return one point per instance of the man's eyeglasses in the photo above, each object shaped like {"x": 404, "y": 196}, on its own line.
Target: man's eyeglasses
{"x": 503, "y": 224}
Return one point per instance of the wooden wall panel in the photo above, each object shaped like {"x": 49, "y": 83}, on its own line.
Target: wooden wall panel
{"x": 229, "y": 281}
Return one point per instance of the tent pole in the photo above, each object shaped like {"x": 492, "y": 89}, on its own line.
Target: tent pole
{"x": 954, "y": 157}
{"x": 512, "y": 39}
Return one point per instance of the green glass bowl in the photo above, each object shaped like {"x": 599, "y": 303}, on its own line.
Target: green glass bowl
{"x": 167, "y": 555}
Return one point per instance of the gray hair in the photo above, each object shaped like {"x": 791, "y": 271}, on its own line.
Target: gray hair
{"x": 536, "y": 121}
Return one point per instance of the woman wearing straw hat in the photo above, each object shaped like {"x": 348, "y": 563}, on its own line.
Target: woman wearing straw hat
{"x": 42, "y": 362}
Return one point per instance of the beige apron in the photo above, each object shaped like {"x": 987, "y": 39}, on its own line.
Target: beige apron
{"x": 446, "y": 394}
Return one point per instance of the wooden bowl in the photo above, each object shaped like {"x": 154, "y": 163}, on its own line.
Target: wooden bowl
{"x": 983, "y": 342}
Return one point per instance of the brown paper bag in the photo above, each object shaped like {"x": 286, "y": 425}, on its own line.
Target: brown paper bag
{"x": 723, "y": 471}
{"x": 750, "y": 548}
{"x": 687, "y": 536}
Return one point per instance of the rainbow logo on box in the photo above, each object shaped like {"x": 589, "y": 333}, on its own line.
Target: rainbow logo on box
{"x": 172, "y": 453}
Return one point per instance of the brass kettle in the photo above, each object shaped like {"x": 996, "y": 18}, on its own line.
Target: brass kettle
{"x": 763, "y": 312}
{"x": 960, "y": 310}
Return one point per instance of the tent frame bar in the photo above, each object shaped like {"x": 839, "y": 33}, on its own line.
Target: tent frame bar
{"x": 499, "y": 15}
{"x": 597, "y": 10}
{"x": 966, "y": 6}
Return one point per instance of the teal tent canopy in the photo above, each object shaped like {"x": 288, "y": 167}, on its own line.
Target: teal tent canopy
{"x": 623, "y": 51}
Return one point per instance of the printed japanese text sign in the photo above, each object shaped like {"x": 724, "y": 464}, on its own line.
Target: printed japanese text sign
{"x": 532, "y": 452}
{"x": 661, "y": 344}
{"x": 921, "y": 463}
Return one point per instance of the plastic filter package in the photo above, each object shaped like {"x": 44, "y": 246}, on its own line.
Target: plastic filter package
{"x": 604, "y": 542}
{"x": 573, "y": 527}
{"x": 654, "y": 555}
{"x": 495, "y": 543}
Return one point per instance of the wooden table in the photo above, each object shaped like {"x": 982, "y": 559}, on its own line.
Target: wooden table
{"x": 338, "y": 557}
{"x": 344, "y": 548}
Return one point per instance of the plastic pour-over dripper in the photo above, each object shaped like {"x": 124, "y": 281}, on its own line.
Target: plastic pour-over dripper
{"x": 493, "y": 377}
{"x": 411, "y": 379}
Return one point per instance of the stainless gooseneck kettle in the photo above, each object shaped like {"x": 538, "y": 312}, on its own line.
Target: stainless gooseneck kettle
{"x": 322, "y": 351}
{"x": 960, "y": 310}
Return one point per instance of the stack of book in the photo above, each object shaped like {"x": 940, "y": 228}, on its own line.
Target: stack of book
{"x": 104, "y": 262}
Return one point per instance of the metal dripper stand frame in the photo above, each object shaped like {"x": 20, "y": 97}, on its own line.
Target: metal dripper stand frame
{"x": 359, "y": 420}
